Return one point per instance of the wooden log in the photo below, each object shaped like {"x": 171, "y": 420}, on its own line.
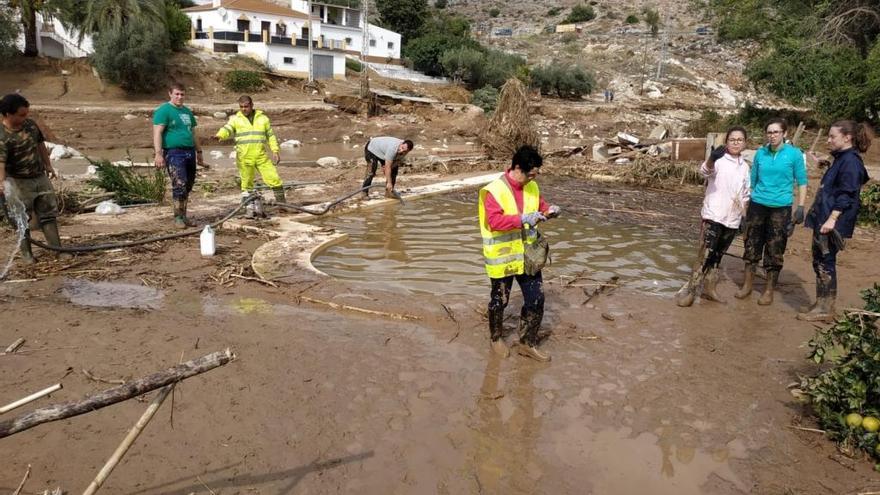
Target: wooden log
{"x": 30, "y": 398}
{"x": 113, "y": 395}
{"x": 14, "y": 346}
{"x": 127, "y": 442}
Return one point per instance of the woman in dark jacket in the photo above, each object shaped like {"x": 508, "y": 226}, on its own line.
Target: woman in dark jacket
{"x": 835, "y": 210}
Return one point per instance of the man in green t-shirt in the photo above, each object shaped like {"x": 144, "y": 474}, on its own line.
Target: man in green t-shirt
{"x": 25, "y": 170}
{"x": 177, "y": 148}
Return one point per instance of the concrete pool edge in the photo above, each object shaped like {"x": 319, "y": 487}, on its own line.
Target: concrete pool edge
{"x": 298, "y": 243}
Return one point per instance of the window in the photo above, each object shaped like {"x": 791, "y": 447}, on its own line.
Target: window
{"x": 372, "y": 43}
{"x": 288, "y": 60}
{"x": 280, "y": 30}
{"x": 348, "y": 41}
{"x": 391, "y": 45}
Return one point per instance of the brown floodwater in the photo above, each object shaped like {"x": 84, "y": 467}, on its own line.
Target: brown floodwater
{"x": 433, "y": 246}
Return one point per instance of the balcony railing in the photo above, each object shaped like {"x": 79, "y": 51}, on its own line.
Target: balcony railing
{"x": 274, "y": 40}
{"x": 233, "y": 36}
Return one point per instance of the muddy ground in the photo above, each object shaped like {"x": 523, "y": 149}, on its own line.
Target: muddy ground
{"x": 659, "y": 400}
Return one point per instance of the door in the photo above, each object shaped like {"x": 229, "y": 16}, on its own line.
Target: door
{"x": 265, "y": 27}
{"x": 243, "y": 25}
{"x": 322, "y": 66}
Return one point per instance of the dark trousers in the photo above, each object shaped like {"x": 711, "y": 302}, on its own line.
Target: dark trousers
{"x": 373, "y": 164}
{"x": 181, "y": 166}
{"x": 532, "y": 287}
{"x": 824, "y": 264}
{"x": 716, "y": 240}
{"x": 766, "y": 235}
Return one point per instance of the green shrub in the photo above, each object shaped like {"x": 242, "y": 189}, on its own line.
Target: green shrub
{"x": 486, "y": 98}
{"x": 566, "y": 81}
{"x": 440, "y": 4}
{"x": 580, "y": 13}
{"x": 243, "y": 81}
{"x": 632, "y": 19}
{"x": 869, "y": 214}
{"x": 494, "y": 12}
{"x": 353, "y": 65}
{"x": 134, "y": 56}
{"x": 179, "y": 27}
{"x": 850, "y": 385}
{"x": 652, "y": 19}
{"x": 554, "y": 11}
{"x": 478, "y": 67}
{"x": 9, "y": 29}
{"x": 569, "y": 38}
{"x": 127, "y": 184}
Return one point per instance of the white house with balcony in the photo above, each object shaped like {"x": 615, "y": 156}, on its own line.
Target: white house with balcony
{"x": 55, "y": 41}
{"x": 278, "y": 35}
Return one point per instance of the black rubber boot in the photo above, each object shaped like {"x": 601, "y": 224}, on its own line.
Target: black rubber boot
{"x": 280, "y": 197}
{"x": 50, "y": 232}
{"x": 27, "y": 257}
{"x": 496, "y": 333}
{"x": 529, "y": 341}
{"x": 823, "y": 309}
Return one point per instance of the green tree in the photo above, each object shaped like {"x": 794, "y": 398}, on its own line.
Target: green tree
{"x": 440, "y": 4}
{"x": 494, "y": 12}
{"x": 8, "y": 35}
{"x": 580, "y": 13}
{"x": 403, "y": 16}
{"x": 486, "y": 98}
{"x": 179, "y": 26}
{"x": 27, "y": 10}
{"x": 652, "y": 19}
{"x": 133, "y": 55}
{"x": 566, "y": 81}
{"x": 103, "y": 16}
{"x": 632, "y": 19}
{"x": 463, "y": 64}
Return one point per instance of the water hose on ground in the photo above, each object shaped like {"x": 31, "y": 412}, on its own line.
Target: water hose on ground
{"x": 197, "y": 230}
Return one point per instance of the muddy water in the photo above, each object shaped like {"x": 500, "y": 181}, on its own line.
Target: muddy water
{"x": 111, "y": 295}
{"x": 433, "y": 246}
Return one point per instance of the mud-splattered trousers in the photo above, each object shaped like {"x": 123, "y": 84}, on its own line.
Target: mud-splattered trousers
{"x": 824, "y": 264}
{"x": 373, "y": 164}
{"x": 716, "y": 240}
{"x": 181, "y": 166}
{"x": 532, "y": 287}
{"x": 766, "y": 235}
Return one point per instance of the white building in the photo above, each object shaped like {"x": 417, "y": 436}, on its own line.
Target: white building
{"x": 54, "y": 41}
{"x": 277, "y": 35}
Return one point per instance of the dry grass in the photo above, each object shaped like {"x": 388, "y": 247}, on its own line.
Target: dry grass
{"x": 643, "y": 171}
{"x": 511, "y": 125}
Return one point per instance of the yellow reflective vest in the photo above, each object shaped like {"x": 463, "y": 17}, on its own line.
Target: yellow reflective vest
{"x": 250, "y": 138}
{"x": 503, "y": 250}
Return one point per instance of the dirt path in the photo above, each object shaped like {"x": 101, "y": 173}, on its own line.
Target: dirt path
{"x": 660, "y": 400}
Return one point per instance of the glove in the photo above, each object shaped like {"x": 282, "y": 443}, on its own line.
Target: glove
{"x": 717, "y": 153}
{"x": 532, "y": 219}
{"x": 553, "y": 211}
{"x": 799, "y": 215}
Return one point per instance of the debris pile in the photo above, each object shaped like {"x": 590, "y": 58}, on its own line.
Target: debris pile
{"x": 511, "y": 125}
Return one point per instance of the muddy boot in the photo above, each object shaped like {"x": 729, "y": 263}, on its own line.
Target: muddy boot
{"x": 821, "y": 310}
{"x": 179, "y": 214}
{"x": 496, "y": 333}
{"x": 50, "y": 232}
{"x": 27, "y": 257}
{"x": 710, "y": 286}
{"x": 686, "y": 295}
{"x": 748, "y": 278}
{"x": 528, "y": 343}
{"x": 280, "y": 197}
{"x": 767, "y": 297}
{"x": 186, "y": 220}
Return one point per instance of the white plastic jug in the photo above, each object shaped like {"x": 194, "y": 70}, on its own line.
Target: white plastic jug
{"x": 207, "y": 241}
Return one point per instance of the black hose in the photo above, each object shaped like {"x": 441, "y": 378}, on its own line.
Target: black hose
{"x": 140, "y": 242}
{"x": 323, "y": 211}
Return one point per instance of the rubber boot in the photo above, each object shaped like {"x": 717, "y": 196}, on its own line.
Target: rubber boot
{"x": 186, "y": 220}
{"x": 686, "y": 295}
{"x": 710, "y": 286}
{"x": 821, "y": 310}
{"x": 529, "y": 341}
{"x": 767, "y": 297}
{"x": 280, "y": 197}
{"x": 179, "y": 214}
{"x": 50, "y": 232}
{"x": 748, "y": 278}
{"x": 496, "y": 333}
{"x": 27, "y": 257}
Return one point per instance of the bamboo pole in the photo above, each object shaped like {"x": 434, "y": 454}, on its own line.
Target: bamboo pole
{"x": 113, "y": 395}
{"x": 30, "y": 398}
{"x": 128, "y": 441}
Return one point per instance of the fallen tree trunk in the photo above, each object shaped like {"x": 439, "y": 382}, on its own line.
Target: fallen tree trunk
{"x": 113, "y": 395}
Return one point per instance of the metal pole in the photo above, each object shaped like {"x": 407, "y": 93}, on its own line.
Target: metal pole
{"x": 365, "y": 74}
{"x": 665, "y": 45}
{"x": 311, "y": 36}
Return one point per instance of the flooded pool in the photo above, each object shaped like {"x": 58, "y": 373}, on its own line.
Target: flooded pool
{"x": 433, "y": 246}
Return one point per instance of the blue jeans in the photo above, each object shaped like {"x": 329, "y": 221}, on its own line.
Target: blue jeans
{"x": 532, "y": 287}
{"x": 181, "y": 166}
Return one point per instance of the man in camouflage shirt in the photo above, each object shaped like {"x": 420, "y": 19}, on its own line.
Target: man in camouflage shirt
{"x": 25, "y": 170}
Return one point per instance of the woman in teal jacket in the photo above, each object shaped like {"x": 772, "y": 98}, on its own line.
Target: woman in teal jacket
{"x": 776, "y": 168}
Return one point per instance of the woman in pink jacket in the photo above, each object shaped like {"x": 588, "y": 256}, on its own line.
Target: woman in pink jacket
{"x": 727, "y": 196}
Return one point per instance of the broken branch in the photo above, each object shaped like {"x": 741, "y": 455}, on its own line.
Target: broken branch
{"x": 23, "y": 481}
{"x": 396, "y": 316}
{"x": 30, "y": 398}
{"x": 13, "y": 346}
{"x": 113, "y": 395}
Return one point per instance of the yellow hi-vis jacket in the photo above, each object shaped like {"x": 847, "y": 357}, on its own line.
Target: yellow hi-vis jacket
{"x": 503, "y": 250}
{"x": 250, "y": 139}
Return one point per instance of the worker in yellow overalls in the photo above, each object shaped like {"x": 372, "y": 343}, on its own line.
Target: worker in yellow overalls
{"x": 510, "y": 208}
{"x": 252, "y": 131}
